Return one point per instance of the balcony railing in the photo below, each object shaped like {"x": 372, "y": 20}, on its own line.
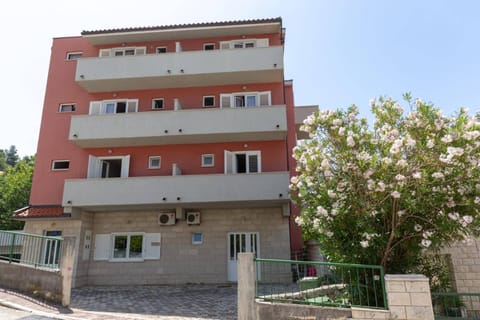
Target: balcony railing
{"x": 182, "y": 69}
{"x": 182, "y": 126}
{"x": 269, "y": 188}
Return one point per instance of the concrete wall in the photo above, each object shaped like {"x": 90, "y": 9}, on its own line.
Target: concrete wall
{"x": 69, "y": 228}
{"x": 40, "y": 283}
{"x": 465, "y": 258}
{"x": 181, "y": 261}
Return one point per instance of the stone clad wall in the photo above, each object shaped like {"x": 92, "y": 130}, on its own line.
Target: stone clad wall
{"x": 465, "y": 258}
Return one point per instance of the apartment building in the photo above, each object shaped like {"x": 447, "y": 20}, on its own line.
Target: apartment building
{"x": 165, "y": 151}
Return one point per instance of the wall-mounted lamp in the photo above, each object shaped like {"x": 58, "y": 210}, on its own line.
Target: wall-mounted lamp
{"x": 181, "y": 70}
{"x": 109, "y": 151}
{"x": 164, "y": 199}
{"x": 245, "y": 145}
{"x": 166, "y": 131}
{"x": 280, "y": 195}
{"x": 244, "y": 87}
{"x": 179, "y": 130}
{"x": 82, "y": 76}
{"x": 114, "y": 94}
{"x": 69, "y": 202}
{"x": 277, "y": 126}
{"x": 169, "y": 71}
{"x": 75, "y": 135}
{"x": 123, "y": 44}
{"x": 274, "y": 65}
{"x": 178, "y": 198}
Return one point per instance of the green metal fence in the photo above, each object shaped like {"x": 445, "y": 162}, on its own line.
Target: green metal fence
{"x": 38, "y": 251}
{"x": 321, "y": 283}
{"x": 453, "y": 305}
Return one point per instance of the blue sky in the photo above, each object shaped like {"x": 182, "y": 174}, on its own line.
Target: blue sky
{"x": 338, "y": 52}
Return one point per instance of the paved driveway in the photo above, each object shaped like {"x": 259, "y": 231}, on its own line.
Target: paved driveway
{"x": 157, "y": 302}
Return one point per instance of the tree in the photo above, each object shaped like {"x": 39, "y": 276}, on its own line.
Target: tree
{"x": 3, "y": 162}
{"x": 15, "y": 186}
{"x": 387, "y": 195}
{"x": 11, "y": 156}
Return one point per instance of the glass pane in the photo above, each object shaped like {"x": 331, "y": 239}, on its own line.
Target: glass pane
{"x": 238, "y": 45}
{"x": 118, "y": 53}
{"x": 264, "y": 99}
{"x": 253, "y": 163}
{"x": 241, "y": 163}
{"x": 249, "y": 45}
{"x": 251, "y": 101}
{"x": 244, "y": 243}
{"x": 110, "y": 107}
{"x": 132, "y": 106}
{"x": 130, "y": 52}
{"x": 121, "y": 107}
{"x": 239, "y": 101}
{"x": 232, "y": 247}
{"x": 120, "y": 247}
{"x": 136, "y": 244}
{"x": 225, "y": 101}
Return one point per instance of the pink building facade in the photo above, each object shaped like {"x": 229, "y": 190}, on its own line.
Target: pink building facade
{"x": 165, "y": 151}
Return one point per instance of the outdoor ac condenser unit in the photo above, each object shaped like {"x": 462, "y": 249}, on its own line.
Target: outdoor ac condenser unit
{"x": 193, "y": 218}
{"x": 166, "y": 218}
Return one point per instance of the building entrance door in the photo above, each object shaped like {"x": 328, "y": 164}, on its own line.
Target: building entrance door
{"x": 240, "y": 242}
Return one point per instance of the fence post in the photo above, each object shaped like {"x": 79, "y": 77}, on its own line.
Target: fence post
{"x": 246, "y": 286}
{"x": 66, "y": 268}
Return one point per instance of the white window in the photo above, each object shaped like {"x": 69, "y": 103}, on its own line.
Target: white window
{"x": 242, "y": 162}
{"x": 158, "y": 103}
{"x": 60, "y": 164}
{"x": 208, "y": 46}
{"x": 113, "y": 106}
{"x": 209, "y": 101}
{"x": 66, "y": 107}
{"x": 73, "y": 55}
{"x": 244, "y": 43}
{"x": 122, "y": 51}
{"x": 161, "y": 50}
{"x": 154, "y": 162}
{"x": 108, "y": 167}
{"x": 245, "y": 99}
{"x": 127, "y": 246}
{"x": 208, "y": 160}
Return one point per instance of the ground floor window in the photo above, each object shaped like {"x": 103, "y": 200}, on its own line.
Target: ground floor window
{"x": 127, "y": 246}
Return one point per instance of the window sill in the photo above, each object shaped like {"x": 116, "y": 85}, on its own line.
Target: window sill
{"x": 127, "y": 260}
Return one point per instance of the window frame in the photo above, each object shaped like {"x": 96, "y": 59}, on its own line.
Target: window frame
{"x": 112, "y": 52}
{"x": 100, "y": 107}
{"x": 61, "y": 105}
{"x": 197, "y": 242}
{"x": 205, "y": 155}
{"x": 127, "y": 257}
{"x": 232, "y": 167}
{"x": 76, "y": 55}
{"x": 208, "y": 44}
{"x": 161, "y": 47}
{"x": 52, "y": 167}
{"x": 205, "y": 97}
{"x": 231, "y": 98}
{"x": 150, "y": 158}
{"x": 163, "y": 103}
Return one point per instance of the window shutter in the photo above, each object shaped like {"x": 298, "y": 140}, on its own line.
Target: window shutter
{"x": 264, "y": 98}
{"x": 125, "y": 166}
{"x": 228, "y": 160}
{"x": 93, "y": 166}
{"x": 140, "y": 51}
{"x": 152, "y": 246}
{"x": 225, "y": 101}
{"x": 104, "y": 53}
{"x": 102, "y": 247}
{"x": 132, "y": 105}
{"x": 95, "y": 107}
{"x": 262, "y": 43}
{"x": 224, "y": 45}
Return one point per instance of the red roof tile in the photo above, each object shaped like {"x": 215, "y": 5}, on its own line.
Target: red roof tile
{"x": 183, "y": 26}
{"x": 39, "y": 212}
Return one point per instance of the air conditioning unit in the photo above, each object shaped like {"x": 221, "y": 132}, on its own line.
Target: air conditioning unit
{"x": 166, "y": 218}
{"x": 193, "y": 218}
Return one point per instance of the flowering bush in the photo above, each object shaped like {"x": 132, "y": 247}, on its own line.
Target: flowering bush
{"x": 384, "y": 195}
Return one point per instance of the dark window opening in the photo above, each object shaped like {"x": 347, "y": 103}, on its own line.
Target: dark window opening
{"x": 111, "y": 168}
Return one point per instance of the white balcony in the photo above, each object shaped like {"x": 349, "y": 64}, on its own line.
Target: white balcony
{"x": 187, "y": 191}
{"x": 182, "y": 126}
{"x": 182, "y": 69}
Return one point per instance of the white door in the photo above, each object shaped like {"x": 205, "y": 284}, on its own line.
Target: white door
{"x": 237, "y": 243}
